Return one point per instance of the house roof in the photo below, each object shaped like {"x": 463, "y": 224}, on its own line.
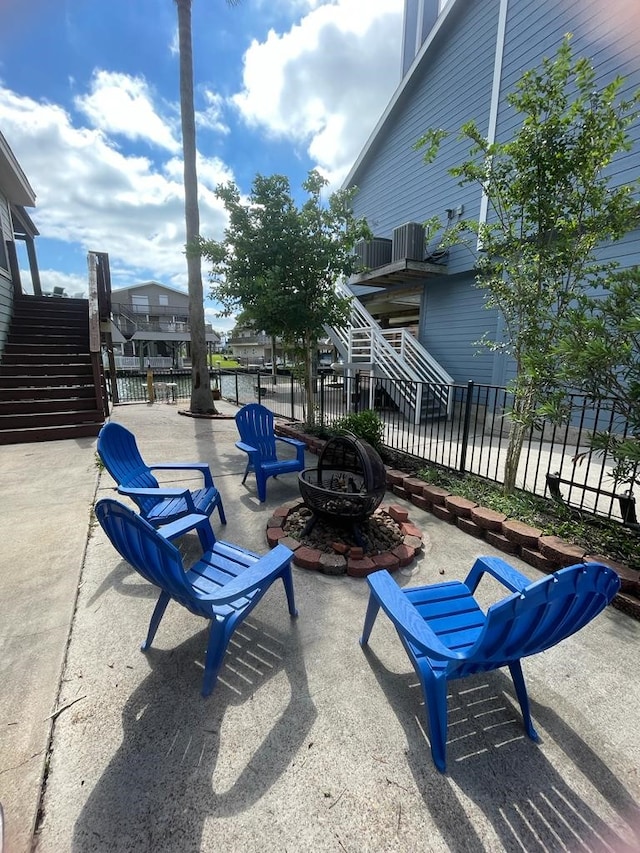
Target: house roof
{"x": 13, "y": 181}
{"x": 445, "y": 19}
{"x": 152, "y": 283}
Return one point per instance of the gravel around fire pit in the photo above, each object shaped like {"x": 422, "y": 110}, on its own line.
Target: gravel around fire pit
{"x": 391, "y": 541}
{"x": 379, "y": 532}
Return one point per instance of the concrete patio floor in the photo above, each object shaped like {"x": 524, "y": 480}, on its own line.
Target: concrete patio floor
{"x": 308, "y": 742}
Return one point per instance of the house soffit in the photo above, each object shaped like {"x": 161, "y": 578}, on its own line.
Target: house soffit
{"x": 13, "y": 181}
{"x": 404, "y": 301}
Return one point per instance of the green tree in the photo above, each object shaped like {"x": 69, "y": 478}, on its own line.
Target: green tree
{"x": 551, "y": 205}
{"x": 279, "y": 262}
{"x": 201, "y": 396}
{"x": 599, "y": 350}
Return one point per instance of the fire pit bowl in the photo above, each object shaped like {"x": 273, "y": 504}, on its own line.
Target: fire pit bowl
{"x": 349, "y": 482}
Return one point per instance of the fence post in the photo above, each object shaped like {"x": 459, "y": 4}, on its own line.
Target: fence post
{"x": 356, "y": 392}
{"x": 150, "y": 389}
{"x": 465, "y": 426}
{"x": 291, "y": 392}
{"x": 321, "y": 377}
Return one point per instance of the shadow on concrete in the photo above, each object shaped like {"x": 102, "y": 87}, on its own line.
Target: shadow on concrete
{"x": 126, "y": 581}
{"x": 507, "y": 776}
{"x": 165, "y": 779}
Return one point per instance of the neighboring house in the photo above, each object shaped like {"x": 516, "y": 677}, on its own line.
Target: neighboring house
{"x": 152, "y": 327}
{"x": 255, "y": 348}
{"x": 459, "y": 64}
{"x": 15, "y": 194}
{"x": 249, "y": 346}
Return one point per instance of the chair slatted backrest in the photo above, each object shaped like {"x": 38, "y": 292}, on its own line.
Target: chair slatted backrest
{"x": 150, "y": 554}
{"x": 255, "y": 425}
{"x": 119, "y": 452}
{"x": 547, "y": 611}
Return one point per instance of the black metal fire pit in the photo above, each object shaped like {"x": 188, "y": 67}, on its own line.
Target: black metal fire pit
{"x": 348, "y": 484}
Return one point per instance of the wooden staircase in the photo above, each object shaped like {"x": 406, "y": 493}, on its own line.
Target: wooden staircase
{"x": 47, "y": 382}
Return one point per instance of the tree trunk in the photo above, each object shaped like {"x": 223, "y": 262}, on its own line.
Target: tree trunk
{"x": 308, "y": 378}
{"x": 514, "y": 449}
{"x": 521, "y": 419}
{"x": 274, "y": 368}
{"x": 201, "y": 396}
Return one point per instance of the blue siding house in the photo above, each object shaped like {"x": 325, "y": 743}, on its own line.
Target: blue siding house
{"x": 460, "y": 60}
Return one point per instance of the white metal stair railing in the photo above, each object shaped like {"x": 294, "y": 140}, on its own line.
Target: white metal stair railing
{"x": 394, "y": 354}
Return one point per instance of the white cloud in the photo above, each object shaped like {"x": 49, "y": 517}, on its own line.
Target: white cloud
{"x": 211, "y": 117}
{"x": 121, "y": 104}
{"x": 325, "y": 83}
{"x": 220, "y": 324}
{"x": 91, "y": 194}
{"x": 74, "y": 285}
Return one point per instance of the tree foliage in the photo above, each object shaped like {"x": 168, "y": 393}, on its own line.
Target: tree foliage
{"x": 551, "y": 205}
{"x": 278, "y": 262}
{"x": 599, "y": 354}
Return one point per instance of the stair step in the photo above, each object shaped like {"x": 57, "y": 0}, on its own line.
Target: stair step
{"x": 41, "y": 358}
{"x": 10, "y": 383}
{"x": 50, "y": 319}
{"x": 47, "y": 328}
{"x": 79, "y": 339}
{"x": 46, "y": 348}
{"x": 46, "y": 419}
{"x": 47, "y": 404}
{"x": 30, "y": 371}
{"x": 34, "y": 303}
{"x": 48, "y": 393}
{"x": 55, "y": 433}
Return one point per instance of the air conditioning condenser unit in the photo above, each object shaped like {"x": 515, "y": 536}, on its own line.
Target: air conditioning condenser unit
{"x": 408, "y": 242}
{"x": 374, "y": 253}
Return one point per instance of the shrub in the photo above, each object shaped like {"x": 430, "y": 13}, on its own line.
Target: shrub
{"x": 366, "y": 425}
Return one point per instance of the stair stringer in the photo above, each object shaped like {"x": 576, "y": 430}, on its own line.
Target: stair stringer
{"x": 393, "y": 354}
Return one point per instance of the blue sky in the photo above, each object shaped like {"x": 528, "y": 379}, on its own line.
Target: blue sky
{"x": 89, "y": 105}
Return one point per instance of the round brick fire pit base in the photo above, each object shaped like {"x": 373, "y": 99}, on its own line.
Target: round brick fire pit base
{"x": 392, "y": 541}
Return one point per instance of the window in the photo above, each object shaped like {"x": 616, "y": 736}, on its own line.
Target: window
{"x": 4, "y": 263}
{"x": 163, "y": 299}
{"x": 140, "y": 304}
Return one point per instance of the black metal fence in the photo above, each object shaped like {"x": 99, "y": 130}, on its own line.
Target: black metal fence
{"x": 461, "y": 427}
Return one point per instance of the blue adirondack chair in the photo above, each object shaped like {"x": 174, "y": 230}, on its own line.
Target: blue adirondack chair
{"x": 159, "y": 505}
{"x": 258, "y": 441}
{"x": 447, "y": 635}
{"x": 224, "y": 585}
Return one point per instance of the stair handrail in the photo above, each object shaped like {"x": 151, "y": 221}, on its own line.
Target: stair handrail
{"x": 425, "y": 365}
{"x": 406, "y": 360}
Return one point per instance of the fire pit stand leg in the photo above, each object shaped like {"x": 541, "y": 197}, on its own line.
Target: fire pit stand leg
{"x": 310, "y": 525}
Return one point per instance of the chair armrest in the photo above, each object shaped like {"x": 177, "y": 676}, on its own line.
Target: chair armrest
{"x": 262, "y": 573}
{"x": 160, "y": 493}
{"x": 294, "y": 442}
{"x": 406, "y": 618}
{"x": 248, "y": 448}
{"x": 203, "y": 467}
{"x": 500, "y": 570}
{"x": 182, "y": 525}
